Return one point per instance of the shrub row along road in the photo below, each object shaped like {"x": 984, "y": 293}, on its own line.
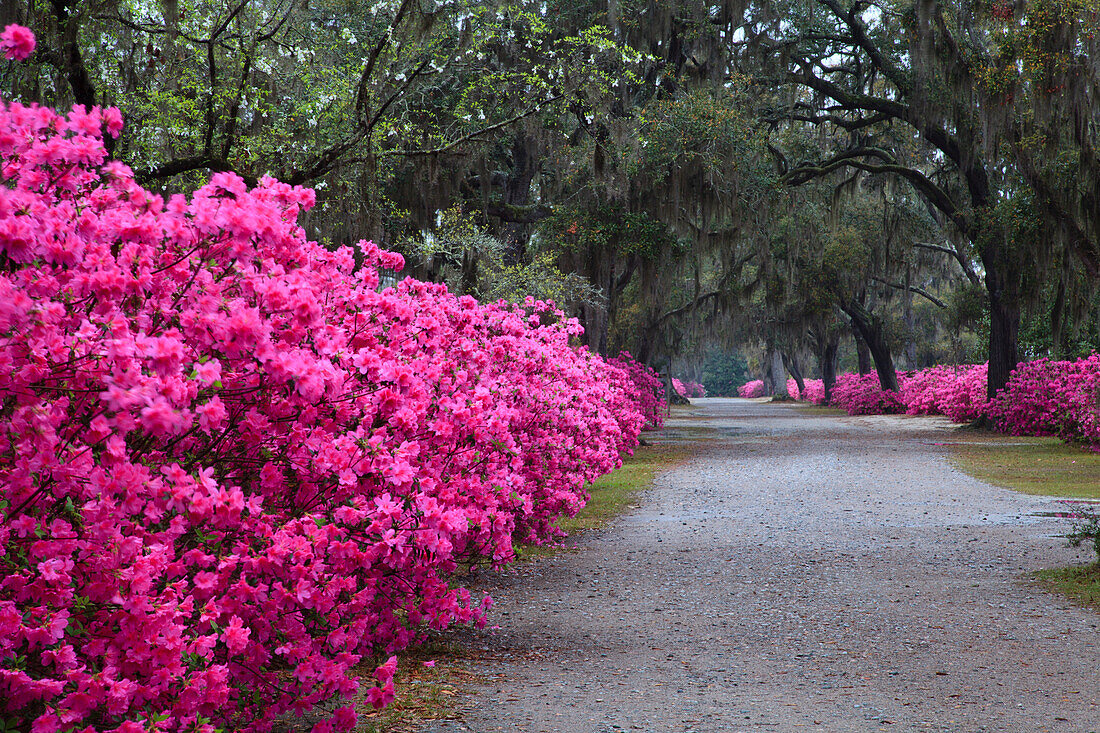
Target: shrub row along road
{"x": 798, "y": 572}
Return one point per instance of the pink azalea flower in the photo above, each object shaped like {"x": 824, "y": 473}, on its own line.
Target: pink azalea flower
{"x": 17, "y": 42}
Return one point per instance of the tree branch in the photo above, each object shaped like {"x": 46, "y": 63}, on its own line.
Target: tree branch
{"x": 912, "y": 289}
{"x": 186, "y": 165}
{"x": 850, "y": 158}
{"x": 363, "y": 93}
{"x": 477, "y": 133}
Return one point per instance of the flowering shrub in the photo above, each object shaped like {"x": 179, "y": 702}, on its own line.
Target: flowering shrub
{"x": 16, "y": 42}
{"x": 1043, "y": 397}
{"x": 861, "y": 395}
{"x": 231, "y": 466}
{"x": 752, "y": 389}
{"x": 645, "y": 389}
{"x": 688, "y": 389}
{"x": 959, "y": 392}
{"x": 1059, "y": 398}
{"x": 815, "y": 390}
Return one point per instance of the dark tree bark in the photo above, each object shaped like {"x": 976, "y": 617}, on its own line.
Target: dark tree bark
{"x": 76, "y": 73}
{"x": 826, "y": 356}
{"x": 790, "y": 361}
{"x": 1004, "y": 328}
{"x": 871, "y": 330}
{"x": 863, "y": 354}
{"x": 517, "y": 194}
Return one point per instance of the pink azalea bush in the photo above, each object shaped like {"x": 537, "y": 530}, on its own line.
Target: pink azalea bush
{"x": 688, "y": 389}
{"x": 861, "y": 395}
{"x": 751, "y": 389}
{"x": 1058, "y": 398}
{"x": 16, "y": 42}
{"x": 645, "y": 389}
{"x": 1043, "y": 397}
{"x": 815, "y": 390}
{"x": 232, "y": 468}
{"x": 959, "y": 392}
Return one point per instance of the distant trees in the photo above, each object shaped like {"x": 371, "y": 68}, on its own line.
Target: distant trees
{"x": 943, "y": 95}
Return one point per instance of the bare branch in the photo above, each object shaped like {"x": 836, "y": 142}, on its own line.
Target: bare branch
{"x": 363, "y": 93}
{"x": 912, "y": 289}
{"x": 852, "y": 158}
{"x": 476, "y": 134}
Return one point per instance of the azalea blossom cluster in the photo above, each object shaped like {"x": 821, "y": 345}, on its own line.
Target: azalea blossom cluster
{"x": 814, "y": 390}
{"x": 1042, "y": 397}
{"x": 688, "y": 389}
{"x": 751, "y": 389}
{"x": 232, "y": 466}
{"x": 16, "y": 42}
{"x": 860, "y": 394}
{"x": 959, "y": 392}
{"x": 645, "y": 389}
{"x": 1057, "y": 398}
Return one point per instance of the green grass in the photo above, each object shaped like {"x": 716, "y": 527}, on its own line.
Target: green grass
{"x": 1043, "y": 466}
{"x": 1081, "y": 584}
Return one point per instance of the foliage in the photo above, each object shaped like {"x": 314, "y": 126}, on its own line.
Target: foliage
{"x": 233, "y": 466}
{"x": 608, "y": 228}
{"x": 1086, "y": 525}
{"x": 472, "y": 261}
{"x": 369, "y": 101}
{"x": 723, "y": 371}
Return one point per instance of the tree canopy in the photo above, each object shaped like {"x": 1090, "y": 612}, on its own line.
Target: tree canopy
{"x": 811, "y": 182}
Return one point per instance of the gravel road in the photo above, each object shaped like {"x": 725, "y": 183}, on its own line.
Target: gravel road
{"x": 798, "y": 572}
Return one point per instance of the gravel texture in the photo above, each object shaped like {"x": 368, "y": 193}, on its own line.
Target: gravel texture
{"x": 798, "y": 572}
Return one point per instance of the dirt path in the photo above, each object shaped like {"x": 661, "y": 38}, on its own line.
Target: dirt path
{"x": 800, "y": 572}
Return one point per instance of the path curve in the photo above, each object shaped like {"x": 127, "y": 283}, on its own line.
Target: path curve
{"x": 798, "y": 572}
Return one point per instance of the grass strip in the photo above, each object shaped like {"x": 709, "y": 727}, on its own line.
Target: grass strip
{"x": 1080, "y": 584}
{"x": 1041, "y": 466}
{"x": 614, "y": 493}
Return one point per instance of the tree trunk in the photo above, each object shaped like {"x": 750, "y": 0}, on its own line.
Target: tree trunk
{"x": 1004, "y": 328}
{"x": 517, "y": 192}
{"x": 871, "y": 330}
{"x": 910, "y": 350}
{"x": 827, "y": 361}
{"x": 863, "y": 354}
{"x": 791, "y": 363}
{"x": 777, "y": 374}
